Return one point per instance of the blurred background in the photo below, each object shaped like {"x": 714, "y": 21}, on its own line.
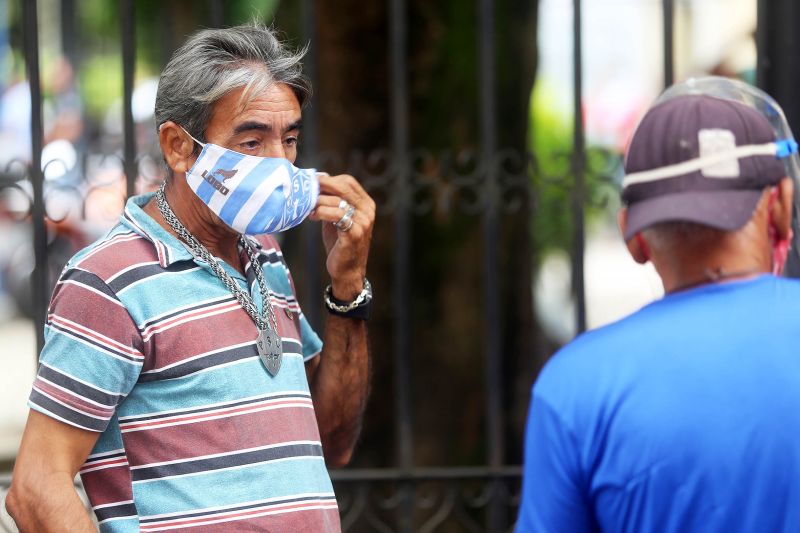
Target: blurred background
{"x": 490, "y": 133}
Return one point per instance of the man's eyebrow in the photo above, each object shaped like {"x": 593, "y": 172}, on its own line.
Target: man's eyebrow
{"x": 251, "y": 125}
{"x": 296, "y": 125}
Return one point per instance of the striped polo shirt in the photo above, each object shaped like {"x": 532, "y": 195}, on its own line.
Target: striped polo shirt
{"x": 145, "y": 345}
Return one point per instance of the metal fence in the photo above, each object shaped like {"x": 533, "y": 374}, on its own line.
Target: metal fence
{"x": 405, "y": 497}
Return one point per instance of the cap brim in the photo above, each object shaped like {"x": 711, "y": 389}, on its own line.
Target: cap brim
{"x": 726, "y": 210}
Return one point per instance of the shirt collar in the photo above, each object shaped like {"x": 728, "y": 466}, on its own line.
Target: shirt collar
{"x": 168, "y": 247}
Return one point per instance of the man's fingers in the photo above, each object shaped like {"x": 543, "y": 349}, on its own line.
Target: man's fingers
{"x": 326, "y": 213}
{"x": 336, "y": 192}
{"x": 346, "y": 188}
{"x": 365, "y": 206}
{"x": 329, "y": 201}
{"x": 343, "y": 186}
{"x": 334, "y": 215}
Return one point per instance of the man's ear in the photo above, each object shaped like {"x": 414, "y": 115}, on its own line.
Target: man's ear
{"x": 636, "y": 246}
{"x": 177, "y": 147}
{"x": 782, "y": 208}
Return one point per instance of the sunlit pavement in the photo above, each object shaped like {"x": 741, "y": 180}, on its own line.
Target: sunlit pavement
{"x": 18, "y": 363}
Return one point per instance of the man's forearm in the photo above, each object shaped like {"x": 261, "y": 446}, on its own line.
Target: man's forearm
{"x": 49, "y": 504}
{"x": 340, "y": 386}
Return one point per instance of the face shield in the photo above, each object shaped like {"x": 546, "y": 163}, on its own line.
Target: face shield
{"x": 785, "y": 146}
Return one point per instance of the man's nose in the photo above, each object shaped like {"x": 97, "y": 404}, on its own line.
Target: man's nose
{"x": 275, "y": 149}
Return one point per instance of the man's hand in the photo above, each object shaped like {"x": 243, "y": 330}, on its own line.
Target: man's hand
{"x": 42, "y": 496}
{"x": 347, "y": 250}
{"x": 339, "y": 377}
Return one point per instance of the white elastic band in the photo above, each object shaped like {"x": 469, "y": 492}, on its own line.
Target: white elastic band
{"x": 693, "y": 165}
{"x": 190, "y": 135}
{"x": 184, "y": 131}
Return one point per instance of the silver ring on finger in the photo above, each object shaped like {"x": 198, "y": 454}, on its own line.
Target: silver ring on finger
{"x": 347, "y": 226}
{"x": 346, "y": 222}
{"x": 343, "y": 205}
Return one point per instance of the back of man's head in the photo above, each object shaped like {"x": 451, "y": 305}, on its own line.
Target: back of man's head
{"x": 719, "y": 190}
{"x": 700, "y": 164}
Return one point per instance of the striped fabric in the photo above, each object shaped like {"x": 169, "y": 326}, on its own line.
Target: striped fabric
{"x": 145, "y": 345}
{"x": 253, "y": 195}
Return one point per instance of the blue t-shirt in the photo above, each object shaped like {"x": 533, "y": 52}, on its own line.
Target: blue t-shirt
{"x": 682, "y": 417}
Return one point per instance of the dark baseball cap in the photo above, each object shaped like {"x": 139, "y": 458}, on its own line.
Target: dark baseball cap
{"x": 702, "y": 159}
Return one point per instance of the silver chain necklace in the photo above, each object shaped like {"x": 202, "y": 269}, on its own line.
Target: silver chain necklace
{"x": 268, "y": 342}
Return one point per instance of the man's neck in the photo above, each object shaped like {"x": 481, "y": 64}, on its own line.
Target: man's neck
{"x": 218, "y": 238}
{"x": 713, "y": 275}
{"x": 727, "y": 260}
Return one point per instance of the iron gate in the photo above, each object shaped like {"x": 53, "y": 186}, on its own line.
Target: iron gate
{"x": 405, "y": 497}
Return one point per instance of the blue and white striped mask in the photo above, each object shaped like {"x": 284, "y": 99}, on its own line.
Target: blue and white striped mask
{"x": 253, "y": 195}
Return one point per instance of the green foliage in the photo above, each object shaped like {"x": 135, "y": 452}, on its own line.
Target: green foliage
{"x": 241, "y": 11}
{"x": 159, "y": 27}
{"x": 100, "y": 83}
{"x": 98, "y": 18}
{"x": 551, "y": 142}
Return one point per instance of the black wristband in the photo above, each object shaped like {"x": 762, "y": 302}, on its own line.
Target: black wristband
{"x": 360, "y": 308}
{"x": 362, "y": 312}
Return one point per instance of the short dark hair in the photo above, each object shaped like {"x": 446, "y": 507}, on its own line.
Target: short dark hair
{"x": 669, "y": 235}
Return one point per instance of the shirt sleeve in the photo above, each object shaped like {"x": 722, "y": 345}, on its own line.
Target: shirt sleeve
{"x": 312, "y": 344}
{"x": 92, "y": 356}
{"x": 552, "y": 497}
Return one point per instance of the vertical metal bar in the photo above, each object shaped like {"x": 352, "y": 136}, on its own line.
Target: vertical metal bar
{"x": 4, "y": 40}
{"x": 492, "y": 311}
{"x": 167, "y": 33}
{"x": 578, "y": 170}
{"x": 762, "y": 28}
{"x": 310, "y": 145}
{"x": 400, "y": 144}
{"x": 68, "y": 45}
{"x": 402, "y": 236}
{"x": 669, "y": 41}
{"x": 217, "y": 14}
{"x": 39, "y": 279}
{"x": 127, "y": 15}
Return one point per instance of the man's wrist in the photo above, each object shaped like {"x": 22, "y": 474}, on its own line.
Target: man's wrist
{"x": 358, "y": 307}
{"x": 347, "y": 290}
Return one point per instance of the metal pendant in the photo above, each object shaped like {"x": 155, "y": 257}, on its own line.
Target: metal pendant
{"x": 269, "y": 350}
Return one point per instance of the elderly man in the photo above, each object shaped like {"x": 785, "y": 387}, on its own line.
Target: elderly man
{"x": 178, "y": 371}
{"x": 684, "y": 416}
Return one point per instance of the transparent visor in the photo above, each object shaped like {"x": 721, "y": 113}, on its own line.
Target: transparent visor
{"x": 785, "y": 145}
{"x": 738, "y": 91}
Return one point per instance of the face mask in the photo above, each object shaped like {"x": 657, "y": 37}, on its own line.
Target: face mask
{"x": 253, "y": 195}
{"x": 780, "y": 247}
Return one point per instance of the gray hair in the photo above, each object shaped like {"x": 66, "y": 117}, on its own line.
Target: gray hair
{"x": 214, "y": 62}
{"x": 668, "y": 236}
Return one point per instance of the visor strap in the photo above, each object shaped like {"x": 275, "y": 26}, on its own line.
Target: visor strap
{"x": 693, "y": 165}
{"x": 786, "y": 147}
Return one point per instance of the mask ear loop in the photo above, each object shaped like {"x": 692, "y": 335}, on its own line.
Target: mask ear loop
{"x": 192, "y": 136}
{"x": 643, "y": 246}
{"x": 780, "y": 247}
{"x": 186, "y": 132}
